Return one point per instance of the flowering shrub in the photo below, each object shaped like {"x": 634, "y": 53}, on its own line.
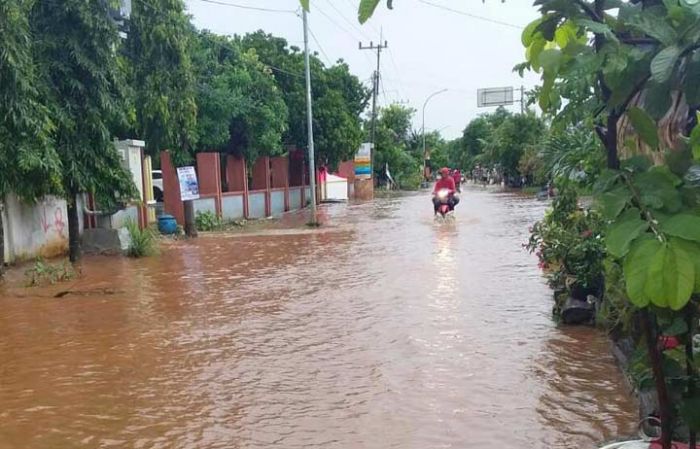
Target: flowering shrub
{"x": 569, "y": 246}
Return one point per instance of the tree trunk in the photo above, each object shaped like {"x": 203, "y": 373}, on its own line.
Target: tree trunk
{"x": 659, "y": 378}
{"x": 2, "y": 241}
{"x": 690, "y": 364}
{"x": 73, "y": 228}
{"x": 611, "y": 141}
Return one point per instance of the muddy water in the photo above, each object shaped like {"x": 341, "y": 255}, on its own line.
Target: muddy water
{"x": 383, "y": 330}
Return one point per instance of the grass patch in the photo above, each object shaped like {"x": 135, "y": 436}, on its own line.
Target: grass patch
{"x": 46, "y": 273}
{"x": 208, "y": 221}
{"x": 143, "y": 242}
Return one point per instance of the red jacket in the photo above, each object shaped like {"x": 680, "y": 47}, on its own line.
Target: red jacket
{"x": 457, "y": 176}
{"x": 445, "y": 183}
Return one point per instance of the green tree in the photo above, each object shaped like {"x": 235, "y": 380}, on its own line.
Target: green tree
{"x": 339, "y": 98}
{"x": 510, "y": 139}
{"x": 159, "y": 62}
{"x": 75, "y": 46}
{"x": 29, "y": 165}
{"x": 241, "y": 109}
{"x": 642, "y": 59}
{"x": 397, "y": 146}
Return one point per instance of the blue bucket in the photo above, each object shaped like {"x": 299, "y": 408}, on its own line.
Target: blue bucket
{"x": 167, "y": 224}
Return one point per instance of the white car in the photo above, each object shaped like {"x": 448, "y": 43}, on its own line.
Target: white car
{"x": 157, "y": 185}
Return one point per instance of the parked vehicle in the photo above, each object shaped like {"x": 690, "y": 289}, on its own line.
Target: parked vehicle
{"x": 157, "y": 185}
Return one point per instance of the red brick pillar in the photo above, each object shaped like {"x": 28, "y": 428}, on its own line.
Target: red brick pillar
{"x": 261, "y": 179}
{"x": 172, "y": 202}
{"x": 209, "y": 177}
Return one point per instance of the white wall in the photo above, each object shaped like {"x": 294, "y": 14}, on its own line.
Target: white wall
{"x": 33, "y": 230}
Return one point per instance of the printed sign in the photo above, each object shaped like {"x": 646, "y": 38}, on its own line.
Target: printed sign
{"x": 189, "y": 188}
{"x": 363, "y": 162}
{"x": 495, "y": 96}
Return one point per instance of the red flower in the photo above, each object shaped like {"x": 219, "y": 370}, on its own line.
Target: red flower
{"x": 667, "y": 342}
{"x": 587, "y": 233}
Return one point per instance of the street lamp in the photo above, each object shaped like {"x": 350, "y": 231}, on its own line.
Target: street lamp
{"x": 423, "y": 128}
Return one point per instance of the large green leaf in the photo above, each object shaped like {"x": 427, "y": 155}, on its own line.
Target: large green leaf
{"x": 636, "y": 269}
{"x": 644, "y": 125}
{"x": 625, "y": 230}
{"x": 657, "y": 189}
{"x": 550, "y": 60}
{"x": 612, "y": 203}
{"x": 671, "y": 277}
{"x": 366, "y": 10}
{"x": 657, "y": 100}
{"x": 664, "y": 63}
{"x": 304, "y": 4}
{"x": 606, "y": 181}
{"x": 598, "y": 28}
{"x": 566, "y": 33}
{"x": 693, "y": 251}
{"x": 651, "y": 25}
{"x": 685, "y": 226}
{"x": 528, "y": 34}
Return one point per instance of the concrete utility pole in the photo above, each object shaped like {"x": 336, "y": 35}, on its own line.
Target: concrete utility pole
{"x": 375, "y": 90}
{"x": 310, "y": 120}
{"x": 423, "y": 127}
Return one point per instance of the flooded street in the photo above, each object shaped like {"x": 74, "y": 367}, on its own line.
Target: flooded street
{"x": 381, "y": 330}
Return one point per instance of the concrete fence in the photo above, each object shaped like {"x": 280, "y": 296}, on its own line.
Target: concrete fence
{"x": 272, "y": 186}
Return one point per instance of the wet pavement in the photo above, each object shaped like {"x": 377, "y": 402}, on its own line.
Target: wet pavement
{"x": 383, "y": 329}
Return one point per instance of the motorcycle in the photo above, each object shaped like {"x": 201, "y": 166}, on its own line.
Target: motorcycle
{"x": 444, "y": 210}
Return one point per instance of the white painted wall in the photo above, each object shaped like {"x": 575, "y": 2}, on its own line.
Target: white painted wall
{"x": 33, "y": 230}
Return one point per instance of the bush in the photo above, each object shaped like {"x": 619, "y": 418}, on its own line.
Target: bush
{"x": 570, "y": 247}
{"x": 142, "y": 241}
{"x": 43, "y": 273}
{"x": 207, "y": 221}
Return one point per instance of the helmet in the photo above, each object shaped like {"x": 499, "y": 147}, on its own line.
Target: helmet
{"x": 444, "y": 171}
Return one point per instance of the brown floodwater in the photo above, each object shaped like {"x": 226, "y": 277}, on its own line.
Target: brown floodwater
{"x": 382, "y": 329}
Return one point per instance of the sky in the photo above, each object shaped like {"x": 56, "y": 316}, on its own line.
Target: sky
{"x": 458, "y": 45}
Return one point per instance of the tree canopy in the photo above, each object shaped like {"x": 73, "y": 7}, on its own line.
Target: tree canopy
{"x": 241, "y": 108}
{"x": 159, "y": 62}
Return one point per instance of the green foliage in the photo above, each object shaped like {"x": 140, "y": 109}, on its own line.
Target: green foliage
{"x": 142, "y": 242}
{"x": 29, "y": 163}
{"x": 207, "y": 221}
{"x": 241, "y": 109}
{"x": 43, "y": 273}
{"x": 398, "y": 147}
{"x": 339, "y": 98}
{"x": 510, "y": 142}
{"x": 158, "y": 52}
{"x": 659, "y": 252}
{"x": 75, "y": 45}
{"x": 569, "y": 244}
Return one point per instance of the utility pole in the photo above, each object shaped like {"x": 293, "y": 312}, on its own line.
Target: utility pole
{"x": 309, "y": 117}
{"x": 375, "y": 91}
{"x": 522, "y": 99}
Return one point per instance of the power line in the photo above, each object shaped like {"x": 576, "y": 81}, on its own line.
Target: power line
{"x": 316, "y": 8}
{"x": 348, "y": 21}
{"x": 328, "y": 60}
{"x": 354, "y": 8}
{"x": 253, "y": 8}
{"x": 473, "y": 16}
{"x": 220, "y": 45}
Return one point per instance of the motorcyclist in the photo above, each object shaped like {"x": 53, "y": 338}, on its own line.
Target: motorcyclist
{"x": 445, "y": 182}
{"x": 457, "y": 176}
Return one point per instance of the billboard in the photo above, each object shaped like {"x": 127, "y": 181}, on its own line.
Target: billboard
{"x": 363, "y": 162}
{"x": 494, "y": 96}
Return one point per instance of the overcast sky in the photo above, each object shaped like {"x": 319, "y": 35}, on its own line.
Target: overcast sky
{"x": 462, "y": 48}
